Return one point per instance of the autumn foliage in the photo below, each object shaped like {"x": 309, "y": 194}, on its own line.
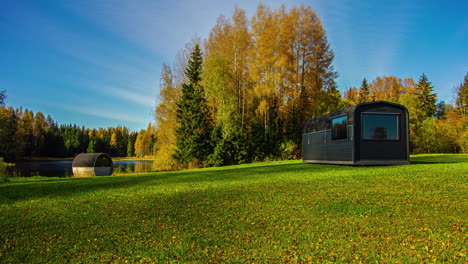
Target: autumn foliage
{"x": 434, "y": 127}
{"x": 24, "y": 133}
{"x": 261, "y": 78}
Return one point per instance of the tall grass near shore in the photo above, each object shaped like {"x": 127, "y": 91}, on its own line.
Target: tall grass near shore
{"x": 256, "y": 213}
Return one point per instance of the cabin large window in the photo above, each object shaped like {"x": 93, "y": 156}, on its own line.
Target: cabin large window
{"x": 380, "y": 127}
{"x": 340, "y": 128}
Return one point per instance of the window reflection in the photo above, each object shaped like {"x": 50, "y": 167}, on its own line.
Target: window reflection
{"x": 340, "y": 128}
{"x": 380, "y": 127}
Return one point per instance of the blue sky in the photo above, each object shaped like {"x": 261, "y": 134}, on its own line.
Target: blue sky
{"x": 97, "y": 63}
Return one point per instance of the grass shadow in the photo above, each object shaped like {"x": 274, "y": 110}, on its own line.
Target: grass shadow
{"x": 438, "y": 158}
{"x": 26, "y": 189}
{"x": 33, "y": 188}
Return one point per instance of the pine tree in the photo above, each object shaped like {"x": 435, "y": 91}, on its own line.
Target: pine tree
{"x": 364, "y": 92}
{"x": 424, "y": 93}
{"x": 39, "y": 127}
{"x": 11, "y": 137}
{"x": 2, "y": 97}
{"x": 91, "y": 146}
{"x": 193, "y": 134}
{"x": 462, "y": 97}
{"x": 131, "y": 144}
{"x": 441, "y": 112}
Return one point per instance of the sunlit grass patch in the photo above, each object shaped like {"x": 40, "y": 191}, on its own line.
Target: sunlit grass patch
{"x": 265, "y": 212}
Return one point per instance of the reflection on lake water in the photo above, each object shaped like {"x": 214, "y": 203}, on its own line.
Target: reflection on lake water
{"x": 132, "y": 166}
{"x": 64, "y": 168}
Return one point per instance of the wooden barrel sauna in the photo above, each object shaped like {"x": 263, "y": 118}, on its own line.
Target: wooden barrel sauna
{"x": 92, "y": 164}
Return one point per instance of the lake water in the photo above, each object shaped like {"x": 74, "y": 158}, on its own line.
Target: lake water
{"x": 64, "y": 168}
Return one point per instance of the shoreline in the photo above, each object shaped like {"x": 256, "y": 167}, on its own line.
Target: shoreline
{"x": 32, "y": 159}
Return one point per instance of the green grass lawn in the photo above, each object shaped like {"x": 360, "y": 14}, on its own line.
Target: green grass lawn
{"x": 276, "y": 212}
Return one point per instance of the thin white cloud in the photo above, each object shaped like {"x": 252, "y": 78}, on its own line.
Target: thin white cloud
{"x": 100, "y": 66}
{"x": 138, "y": 93}
{"x": 132, "y": 96}
{"x": 88, "y": 49}
{"x": 140, "y": 22}
{"x": 161, "y": 27}
{"x": 118, "y": 114}
{"x": 92, "y": 110}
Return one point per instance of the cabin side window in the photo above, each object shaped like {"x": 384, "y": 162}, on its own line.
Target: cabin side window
{"x": 380, "y": 127}
{"x": 340, "y": 128}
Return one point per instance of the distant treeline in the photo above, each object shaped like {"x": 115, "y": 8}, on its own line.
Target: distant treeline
{"x": 24, "y": 133}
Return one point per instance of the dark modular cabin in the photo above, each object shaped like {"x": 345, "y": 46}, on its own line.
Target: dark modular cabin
{"x": 92, "y": 164}
{"x": 373, "y": 133}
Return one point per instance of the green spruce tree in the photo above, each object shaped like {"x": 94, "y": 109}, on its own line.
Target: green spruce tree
{"x": 91, "y": 146}
{"x": 462, "y": 97}
{"x": 424, "y": 93}
{"x": 2, "y": 97}
{"x": 364, "y": 92}
{"x": 195, "y": 126}
{"x": 131, "y": 144}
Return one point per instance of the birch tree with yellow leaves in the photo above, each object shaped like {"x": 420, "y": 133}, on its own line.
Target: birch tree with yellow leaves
{"x": 166, "y": 125}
